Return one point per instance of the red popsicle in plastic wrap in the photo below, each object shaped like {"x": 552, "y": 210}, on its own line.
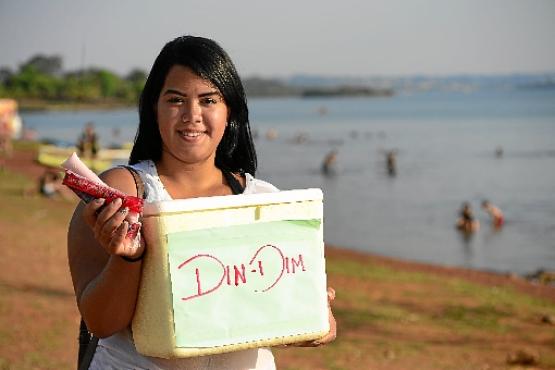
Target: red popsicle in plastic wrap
{"x": 84, "y": 182}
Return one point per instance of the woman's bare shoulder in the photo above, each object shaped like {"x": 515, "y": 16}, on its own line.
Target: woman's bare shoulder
{"x": 120, "y": 178}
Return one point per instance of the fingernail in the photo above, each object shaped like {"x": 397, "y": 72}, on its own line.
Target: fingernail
{"x": 100, "y": 200}
{"x": 124, "y": 210}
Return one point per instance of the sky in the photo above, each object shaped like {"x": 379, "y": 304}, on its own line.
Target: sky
{"x": 289, "y": 37}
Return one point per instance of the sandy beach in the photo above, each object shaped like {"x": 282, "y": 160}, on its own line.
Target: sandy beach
{"x": 392, "y": 314}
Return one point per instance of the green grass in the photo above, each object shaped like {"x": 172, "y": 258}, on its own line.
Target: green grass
{"x": 511, "y": 300}
{"x": 483, "y": 317}
{"x": 487, "y": 295}
{"x": 356, "y": 318}
{"x": 16, "y": 207}
{"x": 40, "y": 360}
{"x": 366, "y": 271}
{"x": 12, "y": 184}
{"x": 461, "y": 307}
{"x": 4, "y": 364}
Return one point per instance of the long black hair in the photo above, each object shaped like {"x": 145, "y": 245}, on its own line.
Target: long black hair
{"x": 209, "y": 61}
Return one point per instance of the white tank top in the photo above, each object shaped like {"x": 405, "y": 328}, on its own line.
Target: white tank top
{"x": 118, "y": 351}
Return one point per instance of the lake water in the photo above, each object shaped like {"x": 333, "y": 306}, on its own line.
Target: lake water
{"x": 445, "y": 155}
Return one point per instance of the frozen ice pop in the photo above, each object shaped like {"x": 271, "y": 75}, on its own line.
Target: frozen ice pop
{"x": 88, "y": 186}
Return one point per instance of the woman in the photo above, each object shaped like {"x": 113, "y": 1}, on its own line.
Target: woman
{"x": 193, "y": 140}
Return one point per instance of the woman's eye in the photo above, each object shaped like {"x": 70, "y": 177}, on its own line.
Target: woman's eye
{"x": 209, "y": 101}
{"x": 175, "y": 100}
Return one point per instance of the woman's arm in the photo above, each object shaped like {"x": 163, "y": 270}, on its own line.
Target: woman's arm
{"x": 105, "y": 284}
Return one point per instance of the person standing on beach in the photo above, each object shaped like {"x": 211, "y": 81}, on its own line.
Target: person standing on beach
{"x": 497, "y": 217}
{"x": 193, "y": 140}
{"x": 87, "y": 145}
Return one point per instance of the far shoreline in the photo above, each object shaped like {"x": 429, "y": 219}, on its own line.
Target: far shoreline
{"x": 42, "y": 105}
{"x": 31, "y": 106}
{"x": 483, "y": 277}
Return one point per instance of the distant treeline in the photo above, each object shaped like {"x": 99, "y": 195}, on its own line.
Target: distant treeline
{"x": 256, "y": 86}
{"x": 42, "y": 78}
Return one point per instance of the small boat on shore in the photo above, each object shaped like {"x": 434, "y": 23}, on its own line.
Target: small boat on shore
{"x": 53, "y": 156}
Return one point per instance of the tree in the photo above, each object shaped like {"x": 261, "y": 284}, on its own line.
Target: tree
{"x": 136, "y": 81}
{"x": 40, "y": 78}
{"x": 31, "y": 83}
{"x": 109, "y": 83}
{"x": 5, "y": 74}
{"x": 48, "y": 65}
{"x": 136, "y": 76}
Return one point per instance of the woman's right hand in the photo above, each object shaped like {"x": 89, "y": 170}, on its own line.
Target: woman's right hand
{"x": 110, "y": 228}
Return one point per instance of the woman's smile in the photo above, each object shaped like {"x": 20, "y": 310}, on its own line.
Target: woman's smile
{"x": 191, "y": 136}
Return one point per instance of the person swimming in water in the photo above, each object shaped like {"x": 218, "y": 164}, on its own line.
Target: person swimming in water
{"x": 329, "y": 163}
{"x": 466, "y": 222}
{"x": 497, "y": 217}
{"x": 391, "y": 162}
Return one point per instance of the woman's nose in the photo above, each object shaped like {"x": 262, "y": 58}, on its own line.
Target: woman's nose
{"x": 192, "y": 111}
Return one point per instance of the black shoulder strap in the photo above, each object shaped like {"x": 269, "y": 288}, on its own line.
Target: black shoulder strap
{"x": 234, "y": 184}
{"x": 87, "y": 347}
{"x": 141, "y": 191}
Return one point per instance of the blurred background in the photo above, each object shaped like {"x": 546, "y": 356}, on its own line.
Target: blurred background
{"x": 400, "y": 111}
